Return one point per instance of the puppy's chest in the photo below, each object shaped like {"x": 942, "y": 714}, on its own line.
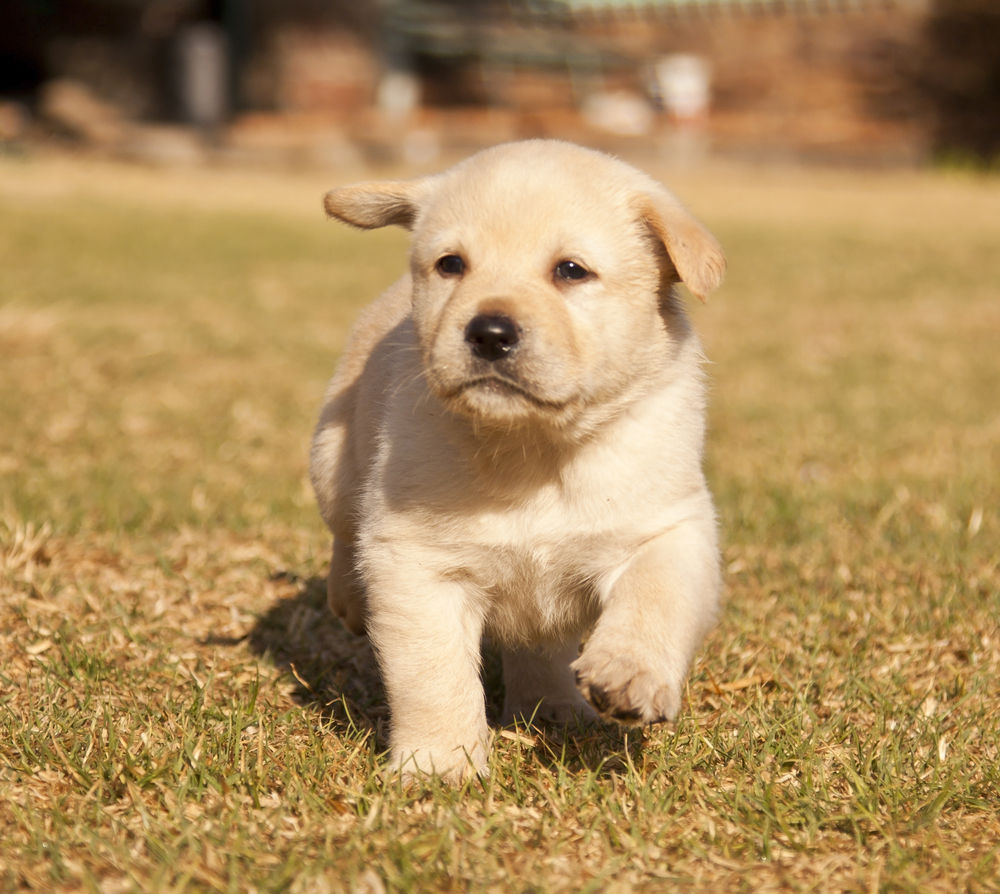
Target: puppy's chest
{"x": 537, "y": 586}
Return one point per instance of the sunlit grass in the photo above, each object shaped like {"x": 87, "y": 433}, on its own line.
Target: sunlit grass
{"x": 178, "y": 711}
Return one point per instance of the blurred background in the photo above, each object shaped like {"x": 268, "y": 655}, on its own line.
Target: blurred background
{"x": 343, "y": 82}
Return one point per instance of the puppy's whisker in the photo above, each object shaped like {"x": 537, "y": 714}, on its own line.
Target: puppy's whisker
{"x": 406, "y": 382}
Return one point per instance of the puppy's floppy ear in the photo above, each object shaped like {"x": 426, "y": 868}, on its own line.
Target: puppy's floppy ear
{"x": 695, "y": 253}
{"x": 379, "y": 203}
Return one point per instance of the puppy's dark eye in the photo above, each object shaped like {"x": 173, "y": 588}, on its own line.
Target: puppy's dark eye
{"x": 450, "y": 265}
{"x": 570, "y": 271}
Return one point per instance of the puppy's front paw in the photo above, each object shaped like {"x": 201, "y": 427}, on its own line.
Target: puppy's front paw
{"x": 453, "y": 765}
{"x": 625, "y": 688}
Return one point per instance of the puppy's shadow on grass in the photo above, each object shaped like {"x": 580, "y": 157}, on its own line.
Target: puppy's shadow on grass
{"x": 593, "y": 748}
{"x": 335, "y": 673}
{"x": 334, "y": 670}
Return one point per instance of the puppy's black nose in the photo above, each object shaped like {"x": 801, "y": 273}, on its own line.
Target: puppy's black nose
{"x": 491, "y": 336}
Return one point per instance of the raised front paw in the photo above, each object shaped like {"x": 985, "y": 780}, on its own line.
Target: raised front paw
{"x": 626, "y": 688}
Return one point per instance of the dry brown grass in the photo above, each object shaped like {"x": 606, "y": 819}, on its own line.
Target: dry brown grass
{"x": 178, "y": 712}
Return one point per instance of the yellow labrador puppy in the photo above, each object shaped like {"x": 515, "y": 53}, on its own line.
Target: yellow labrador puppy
{"x": 512, "y": 445}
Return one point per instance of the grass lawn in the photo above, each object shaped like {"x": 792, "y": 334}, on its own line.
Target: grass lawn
{"x": 178, "y": 712}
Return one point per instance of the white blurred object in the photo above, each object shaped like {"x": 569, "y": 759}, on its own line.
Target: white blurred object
{"x": 619, "y": 112}
{"x": 398, "y": 93}
{"x": 683, "y": 82}
{"x": 203, "y": 74}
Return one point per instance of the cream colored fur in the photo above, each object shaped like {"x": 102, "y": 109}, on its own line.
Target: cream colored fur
{"x": 550, "y": 497}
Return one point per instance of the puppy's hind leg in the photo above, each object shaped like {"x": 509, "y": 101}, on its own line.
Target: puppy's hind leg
{"x": 539, "y": 683}
{"x": 345, "y": 592}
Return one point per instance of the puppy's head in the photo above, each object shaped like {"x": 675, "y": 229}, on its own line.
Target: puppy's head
{"x": 542, "y": 274}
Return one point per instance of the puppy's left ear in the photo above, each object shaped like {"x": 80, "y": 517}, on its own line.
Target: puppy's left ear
{"x": 695, "y": 253}
{"x": 380, "y": 203}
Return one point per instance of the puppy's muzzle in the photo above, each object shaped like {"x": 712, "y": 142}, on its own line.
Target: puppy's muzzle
{"x": 492, "y": 337}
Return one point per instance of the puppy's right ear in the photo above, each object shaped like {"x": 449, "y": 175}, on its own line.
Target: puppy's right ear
{"x": 380, "y": 203}
{"x": 694, "y": 252}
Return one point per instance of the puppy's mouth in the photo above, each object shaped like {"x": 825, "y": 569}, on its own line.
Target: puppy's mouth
{"x": 501, "y": 386}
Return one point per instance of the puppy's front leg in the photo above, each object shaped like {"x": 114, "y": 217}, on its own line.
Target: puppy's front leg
{"x": 426, "y": 634}
{"x": 635, "y": 663}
